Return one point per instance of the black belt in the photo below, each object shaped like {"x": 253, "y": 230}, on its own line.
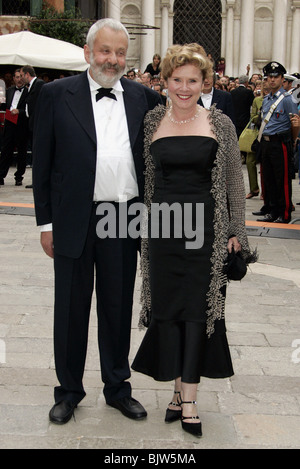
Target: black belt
{"x": 271, "y": 138}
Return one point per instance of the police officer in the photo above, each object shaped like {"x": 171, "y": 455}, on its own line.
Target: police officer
{"x": 277, "y": 146}
{"x": 288, "y": 82}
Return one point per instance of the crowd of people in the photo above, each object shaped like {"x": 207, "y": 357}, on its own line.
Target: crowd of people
{"x": 241, "y": 98}
{"x": 18, "y": 110}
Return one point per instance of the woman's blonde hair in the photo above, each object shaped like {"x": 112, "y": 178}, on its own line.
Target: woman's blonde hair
{"x": 187, "y": 54}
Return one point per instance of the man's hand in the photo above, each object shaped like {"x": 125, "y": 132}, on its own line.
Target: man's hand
{"x": 47, "y": 243}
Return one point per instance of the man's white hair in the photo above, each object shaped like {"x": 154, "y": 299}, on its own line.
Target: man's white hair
{"x": 104, "y": 22}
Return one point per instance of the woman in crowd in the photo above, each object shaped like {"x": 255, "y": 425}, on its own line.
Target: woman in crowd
{"x": 192, "y": 159}
{"x": 154, "y": 67}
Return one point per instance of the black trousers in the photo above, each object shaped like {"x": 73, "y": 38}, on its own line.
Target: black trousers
{"x": 13, "y": 137}
{"x": 109, "y": 265}
{"x": 277, "y": 176}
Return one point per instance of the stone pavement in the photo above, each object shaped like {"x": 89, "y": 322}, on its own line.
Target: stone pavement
{"x": 258, "y": 408}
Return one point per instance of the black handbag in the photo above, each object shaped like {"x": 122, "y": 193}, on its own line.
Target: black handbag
{"x": 256, "y": 148}
{"x": 235, "y": 266}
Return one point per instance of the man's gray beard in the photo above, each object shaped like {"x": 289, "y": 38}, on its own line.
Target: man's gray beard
{"x": 99, "y": 75}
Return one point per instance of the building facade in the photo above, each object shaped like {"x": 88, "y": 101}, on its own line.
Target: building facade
{"x": 252, "y": 32}
{"x": 244, "y": 32}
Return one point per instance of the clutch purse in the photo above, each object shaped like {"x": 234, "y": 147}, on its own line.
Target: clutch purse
{"x": 235, "y": 266}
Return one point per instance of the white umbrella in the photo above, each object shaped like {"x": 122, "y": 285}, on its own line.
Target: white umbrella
{"x": 26, "y": 48}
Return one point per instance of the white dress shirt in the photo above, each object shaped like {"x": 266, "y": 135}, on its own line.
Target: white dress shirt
{"x": 16, "y": 99}
{"x": 29, "y": 86}
{"x": 115, "y": 172}
{"x": 207, "y": 99}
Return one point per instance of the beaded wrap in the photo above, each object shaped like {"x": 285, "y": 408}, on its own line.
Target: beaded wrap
{"x": 227, "y": 191}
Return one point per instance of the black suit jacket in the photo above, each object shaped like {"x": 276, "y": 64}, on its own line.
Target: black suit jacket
{"x": 32, "y": 98}
{"x": 22, "y": 119}
{"x": 64, "y": 155}
{"x": 223, "y": 101}
{"x": 242, "y": 99}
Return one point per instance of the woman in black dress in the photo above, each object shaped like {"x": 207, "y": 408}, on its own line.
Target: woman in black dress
{"x": 154, "y": 67}
{"x": 193, "y": 167}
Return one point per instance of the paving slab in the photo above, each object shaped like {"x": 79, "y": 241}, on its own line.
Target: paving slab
{"x": 258, "y": 408}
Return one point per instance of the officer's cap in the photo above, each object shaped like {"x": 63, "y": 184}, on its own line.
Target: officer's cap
{"x": 274, "y": 69}
{"x": 289, "y": 77}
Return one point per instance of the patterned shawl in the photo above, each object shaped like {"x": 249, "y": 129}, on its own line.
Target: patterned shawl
{"x": 227, "y": 190}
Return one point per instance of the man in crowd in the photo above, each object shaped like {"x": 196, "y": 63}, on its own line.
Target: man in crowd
{"x": 15, "y": 129}
{"x": 242, "y": 98}
{"x": 34, "y": 86}
{"x": 277, "y": 141}
{"x": 222, "y": 99}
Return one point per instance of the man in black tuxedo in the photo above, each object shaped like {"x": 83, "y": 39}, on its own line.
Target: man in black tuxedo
{"x": 15, "y": 130}
{"x": 222, "y": 99}
{"x": 87, "y": 153}
{"x": 34, "y": 86}
{"x": 242, "y": 98}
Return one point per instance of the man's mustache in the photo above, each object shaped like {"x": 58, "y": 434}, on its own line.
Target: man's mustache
{"x": 109, "y": 66}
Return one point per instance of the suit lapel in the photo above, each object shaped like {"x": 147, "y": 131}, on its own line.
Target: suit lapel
{"x": 215, "y": 98}
{"x": 9, "y": 97}
{"x": 78, "y": 99}
{"x": 135, "y": 106}
{"x": 23, "y": 97}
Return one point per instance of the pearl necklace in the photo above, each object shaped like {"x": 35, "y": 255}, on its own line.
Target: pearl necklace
{"x": 187, "y": 120}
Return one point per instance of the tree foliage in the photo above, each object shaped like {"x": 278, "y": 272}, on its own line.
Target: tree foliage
{"x": 67, "y": 26}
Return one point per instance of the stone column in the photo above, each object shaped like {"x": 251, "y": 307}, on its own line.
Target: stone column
{"x": 164, "y": 31}
{"x": 295, "y": 42}
{"x": 147, "y": 39}
{"x": 279, "y": 31}
{"x": 114, "y": 9}
{"x": 247, "y": 36}
{"x": 229, "y": 37}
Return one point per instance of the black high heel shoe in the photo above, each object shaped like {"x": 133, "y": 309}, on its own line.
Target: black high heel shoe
{"x": 193, "y": 428}
{"x": 173, "y": 415}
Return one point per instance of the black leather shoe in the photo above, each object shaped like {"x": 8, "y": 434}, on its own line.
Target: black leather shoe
{"x": 62, "y": 412}
{"x": 259, "y": 213}
{"x": 281, "y": 220}
{"x": 130, "y": 408}
{"x": 29, "y": 186}
{"x": 267, "y": 218}
{"x": 1, "y": 182}
{"x": 18, "y": 183}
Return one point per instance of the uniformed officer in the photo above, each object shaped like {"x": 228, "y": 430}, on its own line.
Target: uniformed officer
{"x": 277, "y": 146}
{"x": 288, "y": 81}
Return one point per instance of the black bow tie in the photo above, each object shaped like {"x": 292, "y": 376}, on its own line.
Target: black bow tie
{"x": 19, "y": 89}
{"x": 105, "y": 92}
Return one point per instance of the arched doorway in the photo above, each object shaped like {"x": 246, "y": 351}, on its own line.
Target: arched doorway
{"x": 199, "y": 21}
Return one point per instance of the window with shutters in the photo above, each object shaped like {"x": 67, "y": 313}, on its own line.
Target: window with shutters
{"x": 15, "y": 7}
{"x": 199, "y": 21}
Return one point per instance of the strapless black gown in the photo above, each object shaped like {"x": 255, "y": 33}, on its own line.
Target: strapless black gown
{"x": 176, "y": 343}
